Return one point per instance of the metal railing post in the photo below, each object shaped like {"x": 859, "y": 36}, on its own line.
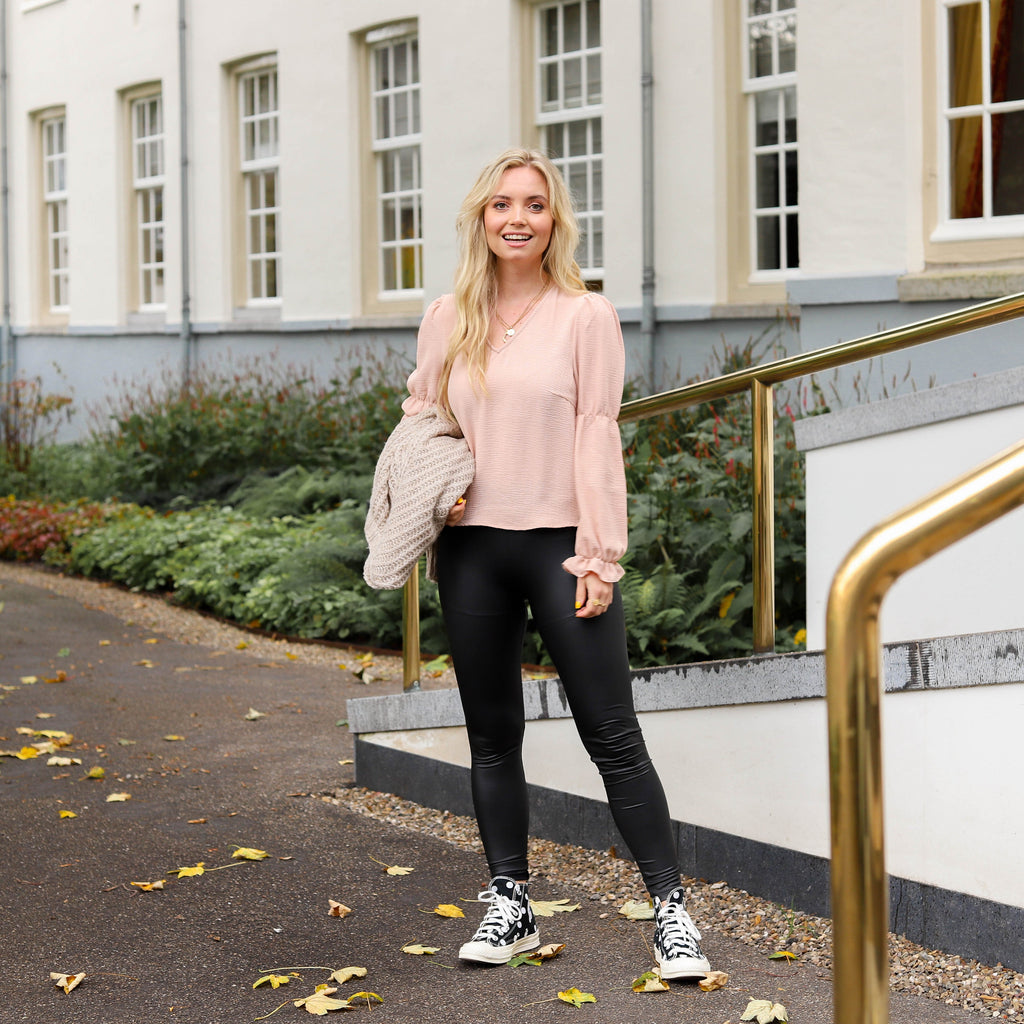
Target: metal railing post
{"x": 762, "y": 411}
{"x": 853, "y": 656}
{"x": 411, "y": 632}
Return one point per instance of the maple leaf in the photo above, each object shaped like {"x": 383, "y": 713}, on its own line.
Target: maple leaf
{"x": 650, "y": 981}
{"x": 447, "y": 910}
{"x": 248, "y": 853}
{"x": 190, "y": 872}
{"x": 275, "y": 980}
{"x": 764, "y": 1011}
{"x": 637, "y": 910}
{"x": 535, "y": 957}
{"x": 68, "y": 814}
{"x": 149, "y": 886}
{"x": 66, "y": 981}
{"x": 321, "y": 1002}
{"x": 337, "y": 909}
{"x": 344, "y": 974}
{"x": 713, "y": 980}
{"x": 417, "y": 950}
{"x": 548, "y": 908}
{"x": 576, "y": 997}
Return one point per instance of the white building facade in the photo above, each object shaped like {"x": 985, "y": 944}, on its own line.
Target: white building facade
{"x": 819, "y": 170}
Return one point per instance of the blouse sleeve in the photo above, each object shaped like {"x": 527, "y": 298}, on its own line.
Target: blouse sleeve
{"x": 602, "y": 535}
{"x": 431, "y": 345}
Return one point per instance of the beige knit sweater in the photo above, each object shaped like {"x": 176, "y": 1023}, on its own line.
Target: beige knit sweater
{"x": 425, "y": 467}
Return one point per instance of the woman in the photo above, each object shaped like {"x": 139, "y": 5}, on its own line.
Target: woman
{"x": 530, "y": 364}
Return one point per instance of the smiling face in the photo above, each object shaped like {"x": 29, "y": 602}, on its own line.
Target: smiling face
{"x": 517, "y": 219}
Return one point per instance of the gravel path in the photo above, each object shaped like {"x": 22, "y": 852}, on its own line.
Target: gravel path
{"x": 994, "y": 992}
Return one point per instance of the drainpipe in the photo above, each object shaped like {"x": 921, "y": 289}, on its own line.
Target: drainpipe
{"x": 186, "y": 291}
{"x": 648, "y": 325}
{"x": 8, "y": 353}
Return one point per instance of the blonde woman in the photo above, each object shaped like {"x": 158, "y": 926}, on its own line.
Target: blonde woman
{"x": 530, "y": 364}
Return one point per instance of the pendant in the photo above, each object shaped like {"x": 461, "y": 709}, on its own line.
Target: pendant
{"x": 509, "y": 332}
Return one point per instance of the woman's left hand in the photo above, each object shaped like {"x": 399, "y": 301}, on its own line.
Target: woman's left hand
{"x": 593, "y": 596}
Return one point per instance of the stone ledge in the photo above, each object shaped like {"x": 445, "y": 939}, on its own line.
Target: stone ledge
{"x": 946, "y": 662}
{"x": 940, "y": 284}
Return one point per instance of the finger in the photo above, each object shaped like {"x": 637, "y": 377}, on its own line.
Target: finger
{"x": 581, "y": 594}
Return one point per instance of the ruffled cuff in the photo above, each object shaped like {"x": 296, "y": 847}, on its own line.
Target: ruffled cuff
{"x": 414, "y": 404}
{"x": 580, "y": 565}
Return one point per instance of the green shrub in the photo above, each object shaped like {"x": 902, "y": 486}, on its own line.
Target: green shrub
{"x": 167, "y": 444}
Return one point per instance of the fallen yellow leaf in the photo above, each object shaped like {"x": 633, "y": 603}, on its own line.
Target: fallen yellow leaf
{"x": 650, "y": 981}
{"x": 418, "y": 950}
{"x": 149, "y": 886}
{"x": 104, "y": 643}
{"x": 368, "y": 996}
{"x": 27, "y": 753}
{"x": 320, "y": 1002}
{"x": 448, "y": 910}
{"x": 713, "y": 980}
{"x": 337, "y": 909}
{"x": 62, "y": 762}
{"x": 274, "y": 980}
{"x": 637, "y": 910}
{"x": 95, "y": 773}
{"x": 145, "y": 663}
{"x": 29, "y": 680}
{"x": 344, "y": 974}
{"x": 576, "y": 997}
{"x": 248, "y": 853}
{"x": 191, "y": 872}
{"x": 66, "y": 981}
{"x": 764, "y": 1011}
{"x": 118, "y": 798}
{"x": 172, "y": 738}
{"x": 68, "y": 814}
{"x": 548, "y": 908}
{"x": 46, "y": 714}
{"x": 241, "y": 645}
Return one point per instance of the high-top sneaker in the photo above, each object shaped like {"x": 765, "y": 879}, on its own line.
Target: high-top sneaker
{"x": 508, "y": 927}
{"x": 676, "y": 939}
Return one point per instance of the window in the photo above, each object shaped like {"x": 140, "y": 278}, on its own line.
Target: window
{"x": 983, "y": 113}
{"x": 148, "y": 185}
{"x": 770, "y": 85}
{"x": 258, "y": 107}
{"x": 568, "y": 90}
{"x": 55, "y": 202}
{"x": 395, "y": 116}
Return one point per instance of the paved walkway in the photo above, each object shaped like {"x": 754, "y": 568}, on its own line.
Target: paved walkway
{"x": 191, "y": 952}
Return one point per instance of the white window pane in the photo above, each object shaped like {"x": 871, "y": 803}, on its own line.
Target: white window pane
{"x": 767, "y": 178}
{"x": 549, "y": 32}
{"x": 408, "y": 259}
{"x": 593, "y": 23}
{"x": 401, "y": 113}
{"x": 388, "y": 228}
{"x": 390, "y": 278}
{"x": 760, "y": 7}
{"x": 573, "y": 76}
{"x": 571, "y": 28}
{"x": 789, "y": 97}
{"x": 786, "y": 35}
{"x": 401, "y": 59}
{"x": 597, "y": 241}
{"x": 256, "y": 279}
{"x": 1008, "y": 164}
{"x": 414, "y": 57}
{"x": 792, "y": 190}
{"x": 549, "y": 88}
{"x": 766, "y": 118}
{"x": 263, "y": 94}
{"x": 594, "y": 78}
{"x": 273, "y": 282}
{"x": 381, "y": 78}
{"x": 406, "y": 169}
{"x": 248, "y": 96}
{"x": 597, "y": 184}
{"x": 158, "y": 245}
{"x": 416, "y": 112}
{"x": 249, "y": 145}
{"x": 966, "y": 186}
{"x": 760, "y": 52}
{"x": 792, "y": 241}
{"x": 387, "y": 165}
{"x": 383, "y": 108}
{"x": 270, "y": 189}
{"x": 595, "y": 136}
{"x": 270, "y": 232}
{"x": 578, "y": 138}
{"x": 769, "y": 255}
{"x": 553, "y": 141}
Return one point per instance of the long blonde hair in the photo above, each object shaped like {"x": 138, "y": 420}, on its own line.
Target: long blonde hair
{"x": 476, "y": 285}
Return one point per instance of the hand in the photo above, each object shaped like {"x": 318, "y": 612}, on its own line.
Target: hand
{"x": 458, "y": 510}
{"x": 593, "y": 596}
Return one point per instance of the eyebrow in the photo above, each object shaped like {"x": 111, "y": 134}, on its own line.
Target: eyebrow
{"x": 539, "y": 195}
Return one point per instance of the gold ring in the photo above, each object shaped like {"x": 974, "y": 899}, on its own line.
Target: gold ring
{"x": 597, "y": 604}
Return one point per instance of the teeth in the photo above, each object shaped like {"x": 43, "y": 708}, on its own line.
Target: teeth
{"x": 516, "y": 238}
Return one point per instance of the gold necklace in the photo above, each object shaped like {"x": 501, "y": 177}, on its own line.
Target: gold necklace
{"x": 510, "y": 328}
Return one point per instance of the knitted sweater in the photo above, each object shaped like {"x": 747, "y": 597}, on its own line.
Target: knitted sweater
{"x": 424, "y": 468}
{"x": 544, "y": 435}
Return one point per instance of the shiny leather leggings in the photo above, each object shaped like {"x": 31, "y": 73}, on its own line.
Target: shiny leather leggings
{"x": 486, "y": 578}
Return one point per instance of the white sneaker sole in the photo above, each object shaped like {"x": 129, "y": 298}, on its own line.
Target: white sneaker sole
{"x": 485, "y": 953}
{"x": 683, "y": 967}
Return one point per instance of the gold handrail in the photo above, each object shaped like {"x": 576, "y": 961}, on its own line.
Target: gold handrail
{"x": 759, "y": 380}
{"x": 860, "y": 897}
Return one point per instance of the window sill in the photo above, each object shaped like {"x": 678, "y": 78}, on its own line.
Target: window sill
{"x": 255, "y": 317}
{"x": 953, "y": 282}
{"x": 31, "y": 5}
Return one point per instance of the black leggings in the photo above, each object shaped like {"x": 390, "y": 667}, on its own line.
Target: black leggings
{"x": 486, "y": 578}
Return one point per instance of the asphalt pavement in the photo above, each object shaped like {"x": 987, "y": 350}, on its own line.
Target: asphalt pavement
{"x": 167, "y": 723}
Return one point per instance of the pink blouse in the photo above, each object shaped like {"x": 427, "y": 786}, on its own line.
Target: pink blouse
{"x": 545, "y": 434}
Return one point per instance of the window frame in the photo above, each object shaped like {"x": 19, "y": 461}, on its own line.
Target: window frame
{"x": 56, "y": 241}
{"x": 753, "y": 87}
{"x": 590, "y": 114}
{"x": 255, "y": 170}
{"x": 989, "y": 226}
{"x": 389, "y": 155}
{"x": 144, "y": 189}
